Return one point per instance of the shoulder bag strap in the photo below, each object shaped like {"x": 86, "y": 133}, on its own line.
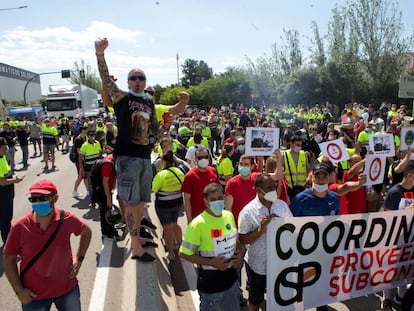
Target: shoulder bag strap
{"x": 290, "y": 172}
{"x": 168, "y": 169}
{"x": 44, "y": 248}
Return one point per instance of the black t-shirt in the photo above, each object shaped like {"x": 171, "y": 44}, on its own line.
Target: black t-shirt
{"x": 137, "y": 124}
{"x": 79, "y": 142}
{"x": 22, "y": 136}
{"x": 8, "y": 136}
{"x": 394, "y": 196}
{"x": 109, "y": 138}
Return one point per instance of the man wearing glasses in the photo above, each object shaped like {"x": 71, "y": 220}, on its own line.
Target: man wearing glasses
{"x": 137, "y": 132}
{"x": 52, "y": 277}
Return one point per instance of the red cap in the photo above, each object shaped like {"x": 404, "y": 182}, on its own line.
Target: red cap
{"x": 43, "y": 187}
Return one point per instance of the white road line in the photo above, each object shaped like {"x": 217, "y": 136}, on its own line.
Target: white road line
{"x": 97, "y": 302}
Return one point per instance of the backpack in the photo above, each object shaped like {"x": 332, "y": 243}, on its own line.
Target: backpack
{"x": 73, "y": 154}
{"x": 98, "y": 191}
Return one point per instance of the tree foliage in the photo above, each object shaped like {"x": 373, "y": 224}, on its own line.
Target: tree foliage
{"x": 195, "y": 72}
{"x": 90, "y": 78}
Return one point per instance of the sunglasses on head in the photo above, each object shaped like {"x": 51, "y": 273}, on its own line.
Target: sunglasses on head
{"x": 202, "y": 157}
{"x": 39, "y": 199}
{"x": 134, "y": 78}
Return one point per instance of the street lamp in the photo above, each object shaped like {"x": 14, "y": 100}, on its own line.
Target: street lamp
{"x": 18, "y": 8}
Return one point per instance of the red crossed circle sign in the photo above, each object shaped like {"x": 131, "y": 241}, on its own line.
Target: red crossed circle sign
{"x": 375, "y": 169}
{"x": 334, "y": 151}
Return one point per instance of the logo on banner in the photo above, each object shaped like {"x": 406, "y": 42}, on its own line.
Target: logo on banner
{"x": 375, "y": 169}
{"x": 334, "y": 151}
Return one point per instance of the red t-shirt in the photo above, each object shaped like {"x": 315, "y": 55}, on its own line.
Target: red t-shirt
{"x": 107, "y": 170}
{"x": 49, "y": 276}
{"x": 343, "y": 207}
{"x": 356, "y": 201}
{"x": 194, "y": 183}
{"x": 242, "y": 191}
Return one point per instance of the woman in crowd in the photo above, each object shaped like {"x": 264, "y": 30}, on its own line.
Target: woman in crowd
{"x": 169, "y": 201}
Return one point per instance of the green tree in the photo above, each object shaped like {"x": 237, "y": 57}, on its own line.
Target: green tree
{"x": 195, "y": 72}
{"x": 89, "y": 77}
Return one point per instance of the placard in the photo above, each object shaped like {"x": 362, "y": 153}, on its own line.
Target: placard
{"x": 407, "y": 138}
{"x": 335, "y": 150}
{"x": 382, "y": 144}
{"x": 261, "y": 141}
{"x": 375, "y": 169}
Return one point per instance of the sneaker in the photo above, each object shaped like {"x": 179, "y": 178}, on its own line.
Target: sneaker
{"x": 144, "y": 258}
{"x": 386, "y": 305}
{"x": 144, "y": 234}
{"x": 397, "y": 300}
{"x": 46, "y": 168}
{"x": 76, "y": 194}
{"x": 145, "y": 222}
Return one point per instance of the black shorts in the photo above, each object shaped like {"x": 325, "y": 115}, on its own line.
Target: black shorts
{"x": 257, "y": 286}
{"x": 168, "y": 215}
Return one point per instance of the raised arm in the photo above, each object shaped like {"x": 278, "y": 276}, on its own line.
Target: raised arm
{"x": 100, "y": 46}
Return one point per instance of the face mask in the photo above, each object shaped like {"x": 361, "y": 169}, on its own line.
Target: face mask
{"x": 368, "y": 130}
{"x": 241, "y": 147}
{"x": 270, "y": 196}
{"x": 42, "y": 208}
{"x": 238, "y": 137}
{"x": 297, "y": 149}
{"x": 320, "y": 188}
{"x": 217, "y": 207}
{"x": 203, "y": 163}
{"x": 244, "y": 170}
{"x": 304, "y": 137}
{"x": 142, "y": 94}
{"x": 330, "y": 137}
{"x": 173, "y": 133}
{"x": 318, "y": 139}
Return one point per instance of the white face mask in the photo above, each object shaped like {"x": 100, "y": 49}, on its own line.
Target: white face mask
{"x": 297, "y": 149}
{"x": 331, "y": 137}
{"x": 320, "y": 188}
{"x": 318, "y": 139}
{"x": 270, "y": 196}
{"x": 203, "y": 163}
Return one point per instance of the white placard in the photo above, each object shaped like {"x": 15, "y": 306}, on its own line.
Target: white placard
{"x": 261, "y": 141}
{"x": 335, "y": 150}
{"x": 375, "y": 169}
{"x": 315, "y": 261}
{"x": 382, "y": 144}
{"x": 407, "y": 138}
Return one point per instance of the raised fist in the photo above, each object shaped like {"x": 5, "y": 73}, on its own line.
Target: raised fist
{"x": 100, "y": 45}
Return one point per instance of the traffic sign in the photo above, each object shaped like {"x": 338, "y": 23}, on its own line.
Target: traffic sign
{"x": 406, "y": 89}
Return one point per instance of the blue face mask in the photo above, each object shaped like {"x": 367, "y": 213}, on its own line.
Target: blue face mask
{"x": 142, "y": 94}
{"x": 244, "y": 170}
{"x": 241, "y": 147}
{"x": 217, "y": 207}
{"x": 42, "y": 208}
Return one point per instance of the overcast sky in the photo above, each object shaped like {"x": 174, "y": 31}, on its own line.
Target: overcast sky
{"x": 51, "y": 35}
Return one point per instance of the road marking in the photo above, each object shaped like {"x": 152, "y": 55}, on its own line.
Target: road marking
{"x": 97, "y": 302}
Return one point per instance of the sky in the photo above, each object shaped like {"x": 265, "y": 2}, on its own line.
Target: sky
{"x": 51, "y": 35}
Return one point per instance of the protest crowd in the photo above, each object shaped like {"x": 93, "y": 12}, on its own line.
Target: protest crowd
{"x": 207, "y": 163}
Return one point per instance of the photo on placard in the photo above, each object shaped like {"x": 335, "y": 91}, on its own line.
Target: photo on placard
{"x": 382, "y": 144}
{"x": 261, "y": 141}
{"x": 407, "y": 138}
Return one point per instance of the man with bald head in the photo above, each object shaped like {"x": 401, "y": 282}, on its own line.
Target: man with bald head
{"x": 137, "y": 131}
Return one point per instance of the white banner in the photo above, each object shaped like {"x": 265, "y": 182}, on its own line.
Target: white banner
{"x": 335, "y": 150}
{"x": 314, "y": 261}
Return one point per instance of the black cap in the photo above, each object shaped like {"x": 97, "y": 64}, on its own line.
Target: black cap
{"x": 320, "y": 167}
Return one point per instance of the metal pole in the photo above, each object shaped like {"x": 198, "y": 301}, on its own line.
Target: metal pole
{"x": 178, "y": 73}
{"x": 33, "y": 77}
{"x": 18, "y": 8}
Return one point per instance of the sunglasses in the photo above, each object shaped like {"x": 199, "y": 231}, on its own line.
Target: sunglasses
{"x": 202, "y": 157}
{"x": 39, "y": 199}
{"x": 135, "y": 78}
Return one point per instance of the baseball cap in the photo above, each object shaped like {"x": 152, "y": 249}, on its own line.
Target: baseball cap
{"x": 182, "y": 131}
{"x": 320, "y": 167}
{"x": 43, "y": 187}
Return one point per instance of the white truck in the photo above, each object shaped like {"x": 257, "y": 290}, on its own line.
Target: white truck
{"x": 72, "y": 99}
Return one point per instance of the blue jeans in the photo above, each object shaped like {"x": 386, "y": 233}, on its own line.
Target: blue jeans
{"x": 68, "y": 302}
{"x": 221, "y": 301}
